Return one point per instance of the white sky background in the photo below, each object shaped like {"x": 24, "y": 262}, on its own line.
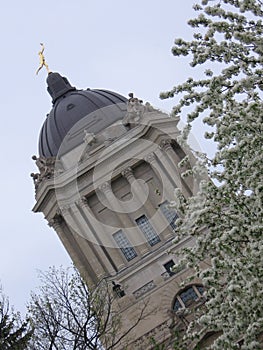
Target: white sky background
{"x": 120, "y": 45}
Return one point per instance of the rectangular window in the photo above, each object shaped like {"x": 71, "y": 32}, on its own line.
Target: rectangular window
{"x": 168, "y": 267}
{"x": 148, "y": 231}
{"x": 169, "y": 214}
{"x": 125, "y": 245}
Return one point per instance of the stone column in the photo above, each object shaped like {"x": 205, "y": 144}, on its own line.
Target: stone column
{"x": 88, "y": 241}
{"x": 165, "y": 179}
{"x": 105, "y": 188}
{"x": 67, "y": 238}
{"x": 171, "y": 165}
{"x": 170, "y": 168}
{"x": 99, "y": 246}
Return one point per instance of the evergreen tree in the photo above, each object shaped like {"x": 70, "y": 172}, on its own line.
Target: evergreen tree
{"x": 14, "y": 333}
{"x": 225, "y": 217}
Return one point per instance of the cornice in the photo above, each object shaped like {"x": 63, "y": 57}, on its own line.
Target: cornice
{"x": 150, "y": 126}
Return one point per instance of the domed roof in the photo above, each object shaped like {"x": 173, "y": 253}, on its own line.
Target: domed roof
{"x": 93, "y": 109}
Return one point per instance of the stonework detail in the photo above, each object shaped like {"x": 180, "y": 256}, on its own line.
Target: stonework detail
{"x": 89, "y": 138}
{"x": 165, "y": 144}
{"x": 64, "y": 209}
{"x": 128, "y": 173}
{"x": 135, "y": 111}
{"x": 48, "y": 167}
{"x": 105, "y": 187}
{"x": 83, "y": 202}
{"x": 56, "y": 221}
{"x": 144, "y": 289}
{"x": 150, "y": 158}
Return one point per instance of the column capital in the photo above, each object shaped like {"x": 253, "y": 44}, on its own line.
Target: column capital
{"x": 56, "y": 221}
{"x": 82, "y": 202}
{"x": 150, "y": 158}
{"x": 165, "y": 144}
{"x": 63, "y": 209}
{"x": 128, "y": 174}
{"x": 105, "y": 187}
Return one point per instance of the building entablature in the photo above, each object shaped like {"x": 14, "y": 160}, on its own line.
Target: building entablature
{"x": 128, "y": 148}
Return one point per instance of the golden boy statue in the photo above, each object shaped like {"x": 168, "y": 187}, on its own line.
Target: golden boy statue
{"x": 42, "y": 60}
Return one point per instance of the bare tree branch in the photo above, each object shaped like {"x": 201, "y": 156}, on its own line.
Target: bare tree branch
{"x": 67, "y": 315}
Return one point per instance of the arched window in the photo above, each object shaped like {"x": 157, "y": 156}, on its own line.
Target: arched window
{"x": 187, "y": 297}
{"x": 169, "y": 213}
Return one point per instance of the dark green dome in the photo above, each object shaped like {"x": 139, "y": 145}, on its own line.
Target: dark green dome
{"x": 70, "y": 106}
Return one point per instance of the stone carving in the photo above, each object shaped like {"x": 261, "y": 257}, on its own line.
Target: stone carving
{"x": 36, "y": 179}
{"x": 46, "y": 167}
{"x": 89, "y": 138}
{"x": 62, "y": 211}
{"x": 65, "y": 208}
{"x": 82, "y": 202}
{"x": 92, "y": 142}
{"x": 165, "y": 144}
{"x": 105, "y": 187}
{"x": 150, "y": 158}
{"x": 56, "y": 221}
{"x": 127, "y": 173}
{"x": 135, "y": 110}
{"x": 144, "y": 289}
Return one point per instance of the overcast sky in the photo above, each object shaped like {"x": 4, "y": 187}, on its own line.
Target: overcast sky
{"x": 124, "y": 46}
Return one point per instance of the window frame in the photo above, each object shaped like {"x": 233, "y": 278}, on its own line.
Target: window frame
{"x": 178, "y": 298}
{"x": 167, "y": 212}
{"x": 168, "y": 267}
{"x": 128, "y": 251}
{"x": 151, "y": 236}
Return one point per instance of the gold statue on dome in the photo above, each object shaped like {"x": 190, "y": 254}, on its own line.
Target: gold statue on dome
{"x": 42, "y": 60}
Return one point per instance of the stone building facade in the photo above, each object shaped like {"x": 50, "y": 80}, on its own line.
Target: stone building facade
{"x": 108, "y": 167}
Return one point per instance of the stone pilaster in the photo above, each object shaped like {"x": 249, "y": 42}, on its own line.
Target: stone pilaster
{"x": 105, "y": 188}
{"x": 170, "y": 159}
{"x": 88, "y": 242}
{"x": 168, "y": 190}
{"x": 56, "y": 222}
{"x": 166, "y": 181}
{"x": 175, "y": 159}
{"x": 101, "y": 249}
{"x": 70, "y": 243}
{"x": 168, "y": 164}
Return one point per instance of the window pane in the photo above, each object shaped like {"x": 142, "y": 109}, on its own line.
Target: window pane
{"x": 177, "y": 305}
{"x": 169, "y": 214}
{"x": 125, "y": 245}
{"x": 200, "y": 289}
{"x": 188, "y": 296}
{"x": 148, "y": 231}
